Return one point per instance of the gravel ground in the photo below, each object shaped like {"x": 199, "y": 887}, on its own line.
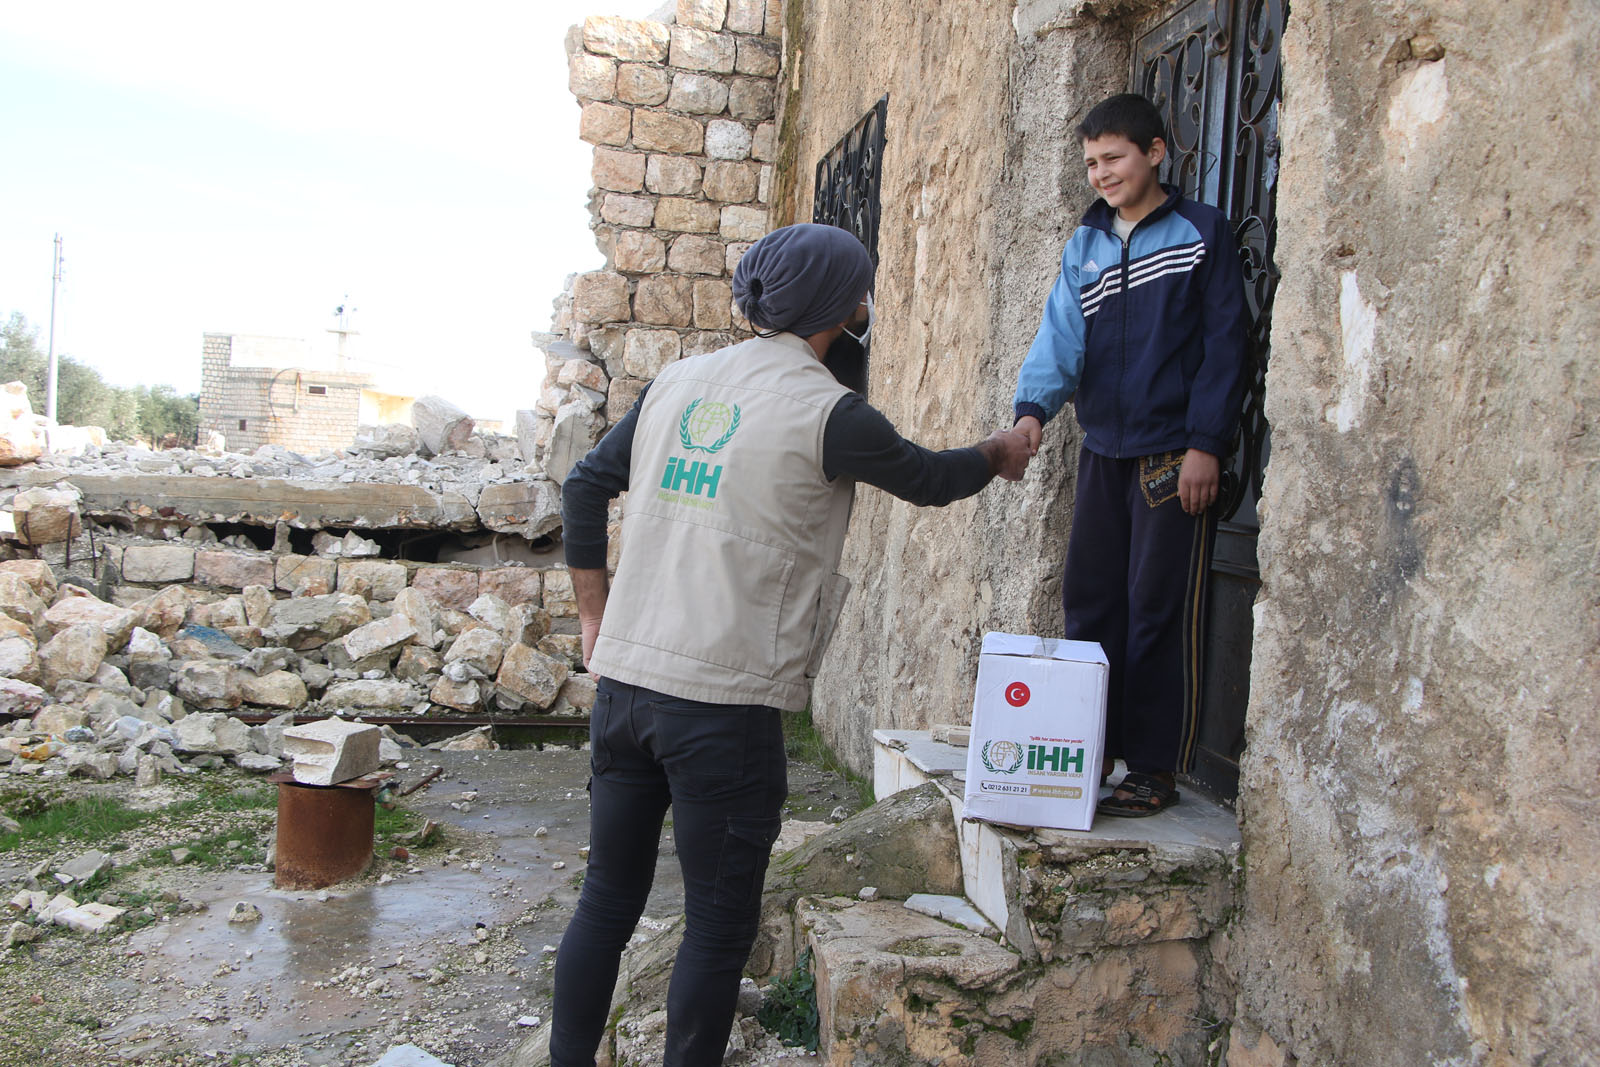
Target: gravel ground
{"x": 449, "y": 948}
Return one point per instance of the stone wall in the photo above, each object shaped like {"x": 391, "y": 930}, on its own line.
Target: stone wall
{"x": 681, "y": 119}
{"x": 255, "y": 406}
{"x": 1419, "y": 782}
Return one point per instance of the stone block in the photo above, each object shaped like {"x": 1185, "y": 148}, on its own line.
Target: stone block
{"x": 305, "y": 575}
{"x": 578, "y": 426}
{"x": 755, "y": 56}
{"x": 375, "y": 693}
{"x": 624, "y": 393}
{"x": 640, "y": 84}
{"x": 36, "y": 572}
{"x": 638, "y": 252}
{"x": 637, "y": 40}
{"x": 748, "y": 98}
{"x": 664, "y": 300}
{"x": 702, "y": 14}
{"x": 712, "y": 301}
{"x": 19, "y": 663}
{"x": 20, "y": 698}
{"x": 764, "y": 185}
{"x": 772, "y": 26}
{"x": 89, "y": 918}
{"x": 735, "y": 252}
{"x": 742, "y": 223}
{"x": 532, "y": 675}
{"x": 601, "y": 296}
{"x": 163, "y": 613}
{"x": 687, "y": 216}
{"x": 379, "y": 635}
{"x": 559, "y": 600}
{"x": 19, "y": 601}
{"x": 562, "y": 646}
{"x": 607, "y": 123}
{"x": 726, "y": 139}
{"x": 620, "y": 172}
{"x": 619, "y": 210}
{"x": 582, "y": 372}
{"x": 441, "y": 426}
{"x": 694, "y": 49}
{"x": 662, "y": 131}
{"x": 700, "y": 342}
{"x": 746, "y": 16}
{"x": 374, "y": 579}
{"x": 672, "y": 176}
{"x": 451, "y": 588}
{"x": 276, "y": 689}
{"x": 481, "y": 648}
{"x": 207, "y": 684}
{"x": 591, "y": 77}
{"x": 331, "y": 751}
{"x": 693, "y": 254}
{"x": 514, "y": 585}
{"x": 74, "y": 654}
{"x": 416, "y": 663}
{"x": 531, "y": 508}
{"x": 116, "y": 623}
{"x": 44, "y": 516}
{"x": 698, "y": 94}
{"x": 731, "y": 183}
{"x": 233, "y": 570}
{"x": 158, "y": 563}
{"x": 462, "y": 696}
{"x": 308, "y": 622}
{"x": 764, "y": 142}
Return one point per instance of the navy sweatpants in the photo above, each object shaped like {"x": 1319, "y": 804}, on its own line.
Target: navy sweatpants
{"x": 1135, "y": 581}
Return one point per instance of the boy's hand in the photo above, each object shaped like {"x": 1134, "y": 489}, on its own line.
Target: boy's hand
{"x": 1029, "y": 427}
{"x": 1198, "y": 481}
{"x": 1008, "y": 453}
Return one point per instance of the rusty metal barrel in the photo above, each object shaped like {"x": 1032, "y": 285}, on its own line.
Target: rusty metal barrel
{"x": 324, "y": 831}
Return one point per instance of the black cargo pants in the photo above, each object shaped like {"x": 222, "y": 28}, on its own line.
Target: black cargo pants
{"x": 721, "y": 768}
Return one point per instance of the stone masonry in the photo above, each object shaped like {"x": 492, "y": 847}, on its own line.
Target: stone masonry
{"x": 310, "y": 410}
{"x": 681, "y": 118}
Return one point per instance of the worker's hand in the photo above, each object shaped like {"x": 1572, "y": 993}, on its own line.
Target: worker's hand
{"x": 1029, "y": 427}
{"x": 1198, "y": 481}
{"x": 1008, "y": 452}
{"x": 590, "y": 630}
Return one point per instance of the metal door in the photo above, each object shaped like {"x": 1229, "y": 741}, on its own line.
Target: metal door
{"x": 1214, "y": 69}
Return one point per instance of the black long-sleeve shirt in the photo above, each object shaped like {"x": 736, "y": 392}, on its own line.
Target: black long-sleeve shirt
{"x": 858, "y": 442}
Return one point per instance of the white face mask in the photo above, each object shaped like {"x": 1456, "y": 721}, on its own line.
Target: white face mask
{"x": 871, "y": 318}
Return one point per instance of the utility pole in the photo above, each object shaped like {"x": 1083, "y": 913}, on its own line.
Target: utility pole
{"x": 50, "y": 381}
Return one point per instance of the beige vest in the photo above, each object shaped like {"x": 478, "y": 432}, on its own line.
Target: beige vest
{"x": 726, "y": 591}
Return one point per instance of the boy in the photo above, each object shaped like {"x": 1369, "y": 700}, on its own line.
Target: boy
{"x": 1144, "y": 331}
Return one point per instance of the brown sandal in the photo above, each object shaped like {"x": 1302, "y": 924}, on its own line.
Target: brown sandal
{"x": 1150, "y": 797}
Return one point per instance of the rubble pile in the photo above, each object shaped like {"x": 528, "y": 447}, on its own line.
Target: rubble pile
{"x": 158, "y": 685}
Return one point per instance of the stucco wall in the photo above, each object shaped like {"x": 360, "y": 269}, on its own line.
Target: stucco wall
{"x": 1420, "y": 795}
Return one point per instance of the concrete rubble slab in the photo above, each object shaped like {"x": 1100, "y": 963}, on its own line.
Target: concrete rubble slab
{"x": 951, "y": 909}
{"x": 409, "y": 1056}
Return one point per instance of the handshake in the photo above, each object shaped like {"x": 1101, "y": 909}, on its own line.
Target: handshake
{"x": 1008, "y": 451}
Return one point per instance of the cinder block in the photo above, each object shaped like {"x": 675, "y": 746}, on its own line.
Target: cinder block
{"x": 331, "y": 751}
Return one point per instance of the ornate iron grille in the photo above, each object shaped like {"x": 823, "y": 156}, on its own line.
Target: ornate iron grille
{"x": 1214, "y": 70}
{"x": 848, "y": 179}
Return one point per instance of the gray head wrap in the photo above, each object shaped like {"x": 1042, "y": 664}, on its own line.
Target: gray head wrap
{"x": 802, "y": 279}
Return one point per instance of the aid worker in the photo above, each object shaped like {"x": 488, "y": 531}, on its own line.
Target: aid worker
{"x": 740, "y": 468}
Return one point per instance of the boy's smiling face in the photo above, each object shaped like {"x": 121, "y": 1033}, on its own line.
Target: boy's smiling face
{"x": 1124, "y": 174}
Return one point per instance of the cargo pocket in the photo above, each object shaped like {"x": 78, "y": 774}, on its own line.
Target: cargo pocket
{"x": 742, "y": 867}
{"x": 830, "y": 605}
{"x": 599, "y": 719}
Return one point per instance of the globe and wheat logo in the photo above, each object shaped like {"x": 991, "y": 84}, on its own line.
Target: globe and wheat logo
{"x": 708, "y": 425}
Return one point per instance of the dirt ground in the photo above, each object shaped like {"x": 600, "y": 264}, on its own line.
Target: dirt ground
{"x": 449, "y": 948}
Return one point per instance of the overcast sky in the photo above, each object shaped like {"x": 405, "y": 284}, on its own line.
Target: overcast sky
{"x": 241, "y": 168}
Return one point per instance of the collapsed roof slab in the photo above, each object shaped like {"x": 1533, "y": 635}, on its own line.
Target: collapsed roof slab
{"x": 266, "y": 501}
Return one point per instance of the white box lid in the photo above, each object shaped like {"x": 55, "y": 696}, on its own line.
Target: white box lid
{"x": 996, "y": 643}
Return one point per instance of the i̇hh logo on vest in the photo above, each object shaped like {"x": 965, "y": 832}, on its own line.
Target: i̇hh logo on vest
{"x": 706, "y": 426}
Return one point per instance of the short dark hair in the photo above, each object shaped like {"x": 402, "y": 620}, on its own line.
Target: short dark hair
{"x": 1126, "y": 114}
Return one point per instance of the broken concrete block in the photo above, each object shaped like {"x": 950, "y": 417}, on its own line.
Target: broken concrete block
{"x": 531, "y": 508}
{"x": 19, "y": 663}
{"x": 88, "y": 918}
{"x": 212, "y": 733}
{"x": 441, "y": 426}
{"x": 482, "y": 648}
{"x": 46, "y": 516}
{"x": 55, "y": 904}
{"x": 380, "y": 635}
{"x": 371, "y": 578}
{"x": 306, "y": 622}
{"x": 531, "y": 675}
{"x": 527, "y": 429}
{"x": 452, "y": 588}
{"x": 386, "y": 441}
{"x": 101, "y": 765}
{"x": 147, "y": 774}
{"x": 331, "y": 751}
{"x": 158, "y": 563}
{"x": 577, "y": 428}
{"x": 370, "y": 693}
{"x": 83, "y": 868}
{"x": 277, "y": 689}
{"x": 19, "y": 698}
{"x": 208, "y": 684}
{"x": 73, "y": 654}
{"x": 117, "y": 623}
{"x": 327, "y": 545}
{"x": 233, "y": 570}
{"x": 19, "y": 600}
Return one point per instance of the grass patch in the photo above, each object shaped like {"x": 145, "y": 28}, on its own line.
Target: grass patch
{"x": 802, "y": 741}
{"x": 88, "y": 819}
{"x": 789, "y": 1006}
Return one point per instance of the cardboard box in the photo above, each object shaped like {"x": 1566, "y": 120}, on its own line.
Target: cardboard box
{"x": 1038, "y": 732}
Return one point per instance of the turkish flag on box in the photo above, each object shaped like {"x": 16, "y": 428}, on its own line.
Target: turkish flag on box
{"x": 1038, "y": 732}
